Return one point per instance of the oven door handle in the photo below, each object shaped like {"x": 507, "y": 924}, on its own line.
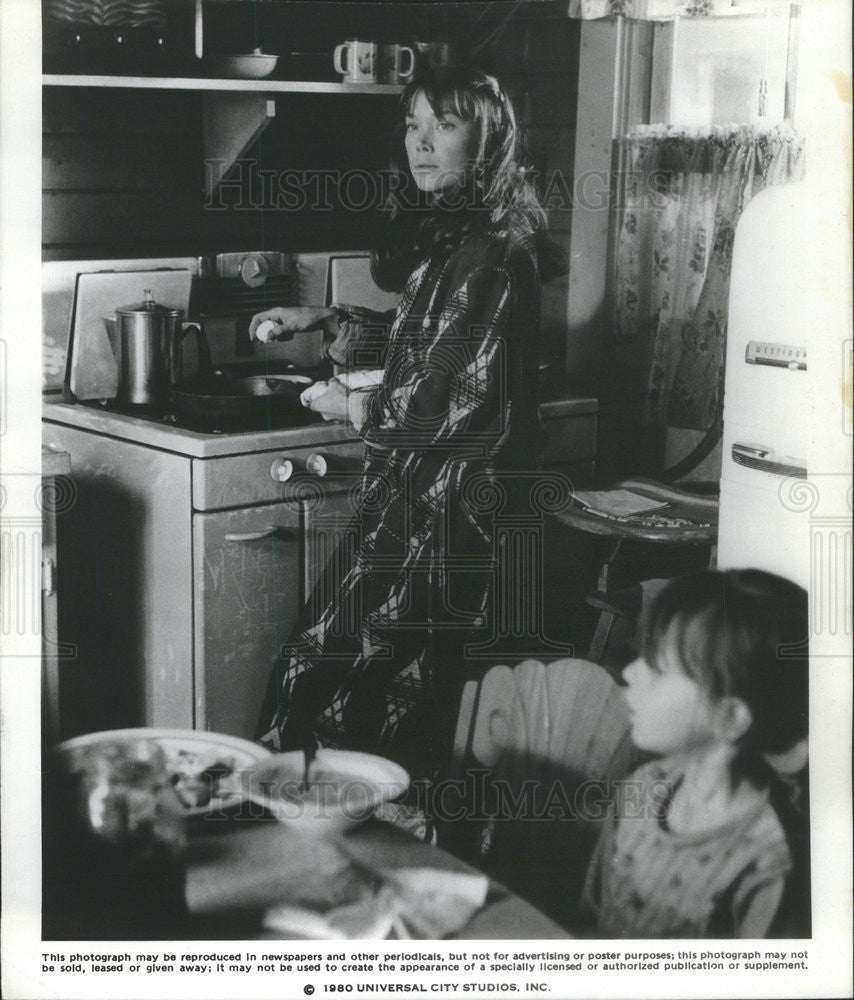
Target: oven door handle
{"x": 273, "y": 531}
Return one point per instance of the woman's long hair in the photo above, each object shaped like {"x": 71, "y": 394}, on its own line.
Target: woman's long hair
{"x": 498, "y": 194}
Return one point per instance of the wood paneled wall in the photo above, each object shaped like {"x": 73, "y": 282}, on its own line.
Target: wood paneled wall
{"x": 537, "y": 60}
{"x": 121, "y": 172}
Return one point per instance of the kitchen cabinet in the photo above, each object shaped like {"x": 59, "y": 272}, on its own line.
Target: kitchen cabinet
{"x": 177, "y": 598}
{"x": 260, "y": 564}
{"x": 125, "y": 575}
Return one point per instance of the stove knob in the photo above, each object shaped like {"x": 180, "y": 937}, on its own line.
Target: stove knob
{"x": 317, "y": 465}
{"x": 281, "y": 470}
{"x": 253, "y": 270}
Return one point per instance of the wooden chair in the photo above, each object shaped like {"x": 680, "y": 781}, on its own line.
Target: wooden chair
{"x": 618, "y": 639}
{"x": 538, "y": 749}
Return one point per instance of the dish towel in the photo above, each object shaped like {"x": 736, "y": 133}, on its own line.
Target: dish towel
{"x": 398, "y": 903}
{"x": 355, "y": 383}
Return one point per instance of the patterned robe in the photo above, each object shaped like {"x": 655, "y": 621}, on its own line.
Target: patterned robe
{"x": 452, "y": 439}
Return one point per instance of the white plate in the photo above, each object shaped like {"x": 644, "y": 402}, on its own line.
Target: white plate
{"x": 345, "y": 787}
{"x": 187, "y": 751}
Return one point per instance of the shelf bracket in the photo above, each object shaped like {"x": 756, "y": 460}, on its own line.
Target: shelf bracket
{"x": 231, "y": 121}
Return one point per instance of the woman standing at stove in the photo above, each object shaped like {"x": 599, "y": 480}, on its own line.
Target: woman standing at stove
{"x": 451, "y": 427}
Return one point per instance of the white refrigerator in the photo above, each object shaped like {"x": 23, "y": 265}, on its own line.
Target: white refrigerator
{"x": 766, "y": 499}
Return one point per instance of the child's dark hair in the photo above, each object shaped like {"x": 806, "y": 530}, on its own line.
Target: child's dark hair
{"x": 499, "y": 195}
{"x": 742, "y": 634}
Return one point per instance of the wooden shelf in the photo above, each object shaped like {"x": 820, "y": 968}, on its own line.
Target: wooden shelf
{"x": 202, "y": 83}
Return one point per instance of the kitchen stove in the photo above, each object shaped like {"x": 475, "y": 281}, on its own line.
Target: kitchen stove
{"x": 184, "y": 560}
{"x": 190, "y": 547}
{"x": 169, "y": 432}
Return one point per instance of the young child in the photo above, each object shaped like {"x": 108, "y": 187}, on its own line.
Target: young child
{"x": 697, "y": 848}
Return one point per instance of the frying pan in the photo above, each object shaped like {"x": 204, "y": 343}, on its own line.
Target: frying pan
{"x": 246, "y": 392}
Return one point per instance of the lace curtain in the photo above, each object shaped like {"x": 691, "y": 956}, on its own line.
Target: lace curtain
{"x": 682, "y": 195}
{"x": 667, "y": 10}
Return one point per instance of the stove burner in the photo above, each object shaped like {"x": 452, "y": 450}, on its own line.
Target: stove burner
{"x": 212, "y": 420}
{"x": 218, "y": 426}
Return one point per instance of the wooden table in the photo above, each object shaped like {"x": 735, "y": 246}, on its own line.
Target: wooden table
{"x": 662, "y": 543}
{"x": 235, "y": 873}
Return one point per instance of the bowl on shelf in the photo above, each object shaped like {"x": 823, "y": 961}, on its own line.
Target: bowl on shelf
{"x": 344, "y": 788}
{"x": 253, "y": 65}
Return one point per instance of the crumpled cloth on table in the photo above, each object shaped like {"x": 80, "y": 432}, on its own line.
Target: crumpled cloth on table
{"x": 398, "y": 903}
{"x": 317, "y": 887}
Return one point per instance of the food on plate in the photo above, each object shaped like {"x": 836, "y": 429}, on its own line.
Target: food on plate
{"x": 200, "y": 770}
{"x": 126, "y": 797}
{"x": 197, "y": 777}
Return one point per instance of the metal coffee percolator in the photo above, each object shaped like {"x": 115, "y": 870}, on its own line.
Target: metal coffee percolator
{"x": 147, "y": 340}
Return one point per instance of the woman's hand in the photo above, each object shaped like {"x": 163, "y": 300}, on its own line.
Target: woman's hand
{"x": 283, "y": 322}
{"x": 330, "y": 404}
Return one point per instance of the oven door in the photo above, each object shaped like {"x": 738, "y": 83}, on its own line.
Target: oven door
{"x": 253, "y": 569}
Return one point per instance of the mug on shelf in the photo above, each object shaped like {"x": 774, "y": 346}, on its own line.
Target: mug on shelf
{"x": 356, "y": 61}
{"x": 432, "y": 55}
{"x": 397, "y": 64}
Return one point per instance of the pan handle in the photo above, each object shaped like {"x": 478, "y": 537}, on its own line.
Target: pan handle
{"x": 202, "y": 346}
{"x": 273, "y": 531}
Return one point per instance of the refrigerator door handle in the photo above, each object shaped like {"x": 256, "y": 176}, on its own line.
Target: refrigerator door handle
{"x": 756, "y": 456}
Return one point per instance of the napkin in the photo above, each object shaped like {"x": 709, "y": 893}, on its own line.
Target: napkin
{"x": 421, "y": 902}
{"x": 618, "y": 503}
